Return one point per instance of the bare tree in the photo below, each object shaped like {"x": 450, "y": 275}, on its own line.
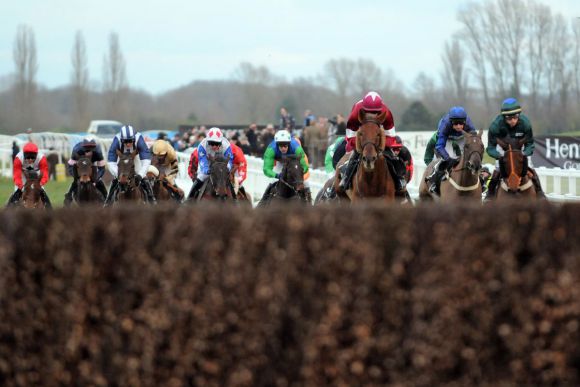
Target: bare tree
{"x": 25, "y": 61}
{"x": 538, "y": 42}
{"x": 473, "y": 36}
{"x": 367, "y": 76}
{"x": 79, "y": 82}
{"x": 339, "y": 73}
{"x": 255, "y": 82}
{"x": 576, "y": 56}
{"x": 560, "y": 75}
{"x": 511, "y": 27}
{"x": 455, "y": 73}
{"x": 115, "y": 79}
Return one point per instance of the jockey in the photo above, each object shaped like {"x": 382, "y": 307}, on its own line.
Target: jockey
{"x": 510, "y": 123}
{"x": 164, "y": 156}
{"x": 128, "y": 141}
{"x": 283, "y": 145}
{"x": 29, "y": 158}
{"x": 402, "y": 152}
{"x": 329, "y": 164}
{"x": 430, "y": 150}
{"x": 86, "y": 148}
{"x": 240, "y": 167}
{"x": 452, "y": 126}
{"x": 215, "y": 144}
{"x": 371, "y": 103}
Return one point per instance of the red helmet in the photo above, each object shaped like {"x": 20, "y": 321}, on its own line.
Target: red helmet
{"x": 397, "y": 143}
{"x": 30, "y": 147}
{"x": 372, "y": 102}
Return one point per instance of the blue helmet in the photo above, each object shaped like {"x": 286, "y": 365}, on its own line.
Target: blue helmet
{"x": 127, "y": 133}
{"x": 457, "y": 113}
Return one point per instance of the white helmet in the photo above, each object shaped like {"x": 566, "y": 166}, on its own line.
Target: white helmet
{"x": 282, "y": 136}
{"x": 215, "y": 135}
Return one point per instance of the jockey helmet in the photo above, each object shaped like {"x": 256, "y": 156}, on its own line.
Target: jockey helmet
{"x": 153, "y": 170}
{"x": 30, "y": 150}
{"x": 215, "y": 135}
{"x": 282, "y": 136}
{"x": 160, "y": 147}
{"x": 89, "y": 143}
{"x": 372, "y": 102}
{"x": 457, "y": 114}
{"x": 485, "y": 169}
{"x": 127, "y": 133}
{"x": 398, "y": 143}
{"x": 510, "y": 107}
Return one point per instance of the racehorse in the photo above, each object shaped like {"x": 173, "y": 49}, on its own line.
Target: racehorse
{"x": 86, "y": 191}
{"x": 290, "y": 184}
{"x": 31, "y": 195}
{"x": 463, "y": 180}
{"x": 162, "y": 188}
{"x": 128, "y": 190}
{"x": 373, "y": 178}
{"x": 516, "y": 177}
{"x": 218, "y": 185}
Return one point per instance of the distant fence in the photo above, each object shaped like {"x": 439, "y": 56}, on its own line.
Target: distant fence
{"x": 559, "y": 184}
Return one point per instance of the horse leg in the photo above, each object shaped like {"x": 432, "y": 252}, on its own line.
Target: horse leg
{"x": 112, "y": 192}
{"x": 68, "y": 197}
{"x": 349, "y": 171}
{"x": 45, "y": 199}
{"x": 537, "y": 185}
{"x": 267, "y": 194}
{"x": 493, "y": 184}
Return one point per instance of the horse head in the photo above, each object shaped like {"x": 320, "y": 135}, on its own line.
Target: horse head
{"x": 84, "y": 170}
{"x": 31, "y": 190}
{"x": 473, "y": 152}
{"x": 370, "y": 140}
{"x": 126, "y": 166}
{"x": 219, "y": 176}
{"x": 513, "y": 164}
{"x": 292, "y": 173}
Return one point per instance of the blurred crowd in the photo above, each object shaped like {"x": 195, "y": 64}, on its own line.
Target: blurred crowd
{"x": 315, "y": 134}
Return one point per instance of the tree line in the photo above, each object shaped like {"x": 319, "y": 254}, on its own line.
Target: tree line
{"x": 502, "y": 48}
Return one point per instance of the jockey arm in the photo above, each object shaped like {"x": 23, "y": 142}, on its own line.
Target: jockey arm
{"x": 203, "y": 165}
{"x": 144, "y": 155}
{"x": 229, "y": 155}
{"x": 112, "y": 156}
{"x": 193, "y": 162}
{"x": 492, "y": 139}
{"x": 303, "y": 162}
{"x": 442, "y": 136}
{"x": 43, "y": 166}
{"x": 529, "y": 145}
{"x": 99, "y": 161}
{"x": 241, "y": 164}
{"x": 17, "y": 173}
{"x": 268, "y": 168}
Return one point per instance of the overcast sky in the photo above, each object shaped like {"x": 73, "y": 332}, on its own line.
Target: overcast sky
{"x": 169, "y": 43}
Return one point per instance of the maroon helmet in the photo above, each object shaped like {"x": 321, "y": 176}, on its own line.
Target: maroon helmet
{"x": 372, "y": 102}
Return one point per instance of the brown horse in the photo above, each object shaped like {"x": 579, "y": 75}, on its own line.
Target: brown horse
{"x": 372, "y": 179}
{"x": 31, "y": 192}
{"x": 516, "y": 177}
{"x": 86, "y": 191}
{"x": 217, "y": 186}
{"x": 162, "y": 188}
{"x": 128, "y": 190}
{"x": 463, "y": 181}
{"x": 290, "y": 185}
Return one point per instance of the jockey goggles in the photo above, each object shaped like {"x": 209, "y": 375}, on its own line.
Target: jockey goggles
{"x": 512, "y": 117}
{"x": 285, "y": 144}
{"x": 458, "y": 121}
{"x": 30, "y": 155}
{"x": 214, "y": 143}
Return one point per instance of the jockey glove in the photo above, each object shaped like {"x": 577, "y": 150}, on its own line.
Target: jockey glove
{"x": 138, "y": 179}
{"x": 277, "y": 176}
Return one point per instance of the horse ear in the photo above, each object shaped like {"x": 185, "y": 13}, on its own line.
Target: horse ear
{"x": 381, "y": 117}
{"x": 119, "y": 153}
{"x": 521, "y": 142}
{"x": 480, "y": 132}
{"x": 134, "y": 153}
{"x": 361, "y": 115}
{"x": 383, "y": 140}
